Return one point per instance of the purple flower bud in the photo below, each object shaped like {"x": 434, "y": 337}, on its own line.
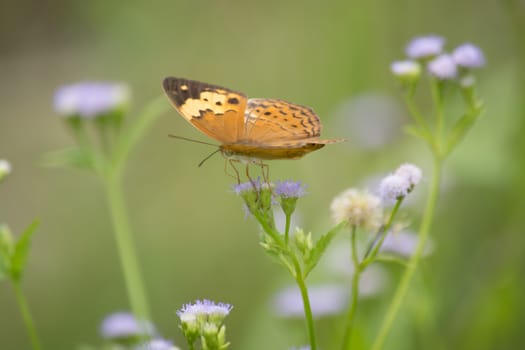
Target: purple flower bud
{"x": 289, "y": 189}
{"x": 425, "y": 46}
{"x": 468, "y": 56}
{"x": 443, "y": 67}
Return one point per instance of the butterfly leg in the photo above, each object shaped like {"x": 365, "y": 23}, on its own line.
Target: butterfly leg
{"x": 265, "y": 171}
{"x": 236, "y": 176}
{"x": 254, "y": 184}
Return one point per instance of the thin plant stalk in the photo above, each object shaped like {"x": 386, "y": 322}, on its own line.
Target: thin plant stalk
{"x": 299, "y": 278}
{"x": 306, "y": 304}
{"x": 26, "y": 316}
{"x": 126, "y": 247}
{"x": 424, "y": 231}
{"x": 355, "y": 292}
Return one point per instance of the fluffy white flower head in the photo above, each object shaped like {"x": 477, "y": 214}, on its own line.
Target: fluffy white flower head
{"x": 410, "y": 172}
{"x": 394, "y": 187}
{"x": 360, "y": 208}
{"x": 406, "y": 69}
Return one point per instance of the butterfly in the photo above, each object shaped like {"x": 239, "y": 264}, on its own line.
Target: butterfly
{"x": 249, "y": 130}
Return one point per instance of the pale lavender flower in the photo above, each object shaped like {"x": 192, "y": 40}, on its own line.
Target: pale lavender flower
{"x": 247, "y": 186}
{"x": 468, "y": 56}
{"x": 306, "y": 347}
{"x": 425, "y": 46}
{"x": 157, "y": 344}
{"x": 394, "y": 187}
{"x": 290, "y": 189}
{"x": 406, "y": 69}
{"x": 325, "y": 300}
{"x": 90, "y": 99}
{"x": 123, "y": 325}
{"x": 443, "y": 67}
{"x": 410, "y": 172}
{"x": 205, "y": 308}
{"x": 404, "y": 243}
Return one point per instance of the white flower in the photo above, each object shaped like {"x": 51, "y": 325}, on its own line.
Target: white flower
{"x": 5, "y": 168}
{"x": 425, "y": 46}
{"x": 443, "y": 67}
{"x": 394, "y": 187}
{"x": 468, "y": 56}
{"x": 410, "y": 172}
{"x": 360, "y": 208}
{"x": 406, "y": 69}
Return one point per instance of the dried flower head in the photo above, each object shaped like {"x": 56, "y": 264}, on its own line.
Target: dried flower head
{"x": 90, "y": 99}
{"x": 468, "y": 56}
{"x": 360, "y": 208}
{"x": 425, "y": 46}
{"x": 443, "y": 67}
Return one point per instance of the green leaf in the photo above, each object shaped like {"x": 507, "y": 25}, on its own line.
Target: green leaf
{"x": 320, "y": 247}
{"x": 20, "y": 254}
{"x": 69, "y": 157}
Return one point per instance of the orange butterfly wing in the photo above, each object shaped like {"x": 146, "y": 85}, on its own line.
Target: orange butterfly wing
{"x": 216, "y": 111}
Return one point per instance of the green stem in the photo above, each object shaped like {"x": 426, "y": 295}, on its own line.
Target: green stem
{"x": 306, "y": 304}
{"x": 416, "y": 114}
{"x": 126, "y": 248}
{"x": 414, "y": 260}
{"x": 26, "y": 315}
{"x": 287, "y": 228}
{"x": 375, "y": 246}
{"x": 355, "y": 293}
{"x": 435, "y": 87}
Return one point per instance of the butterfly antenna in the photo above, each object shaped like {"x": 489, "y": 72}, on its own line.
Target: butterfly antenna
{"x": 191, "y": 140}
{"x": 208, "y": 157}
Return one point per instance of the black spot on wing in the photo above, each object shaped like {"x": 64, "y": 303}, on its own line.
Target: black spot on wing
{"x": 233, "y": 101}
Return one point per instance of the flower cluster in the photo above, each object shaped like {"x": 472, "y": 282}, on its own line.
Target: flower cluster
{"x": 364, "y": 209}
{"x": 204, "y": 321}
{"x": 429, "y": 51}
{"x": 259, "y": 197}
{"x": 400, "y": 183}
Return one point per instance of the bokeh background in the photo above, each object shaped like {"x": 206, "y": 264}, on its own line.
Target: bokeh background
{"x": 192, "y": 237}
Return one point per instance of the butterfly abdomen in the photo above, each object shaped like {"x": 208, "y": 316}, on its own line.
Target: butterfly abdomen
{"x": 243, "y": 151}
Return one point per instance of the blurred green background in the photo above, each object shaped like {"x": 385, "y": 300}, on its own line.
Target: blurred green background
{"x": 190, "y": 229}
